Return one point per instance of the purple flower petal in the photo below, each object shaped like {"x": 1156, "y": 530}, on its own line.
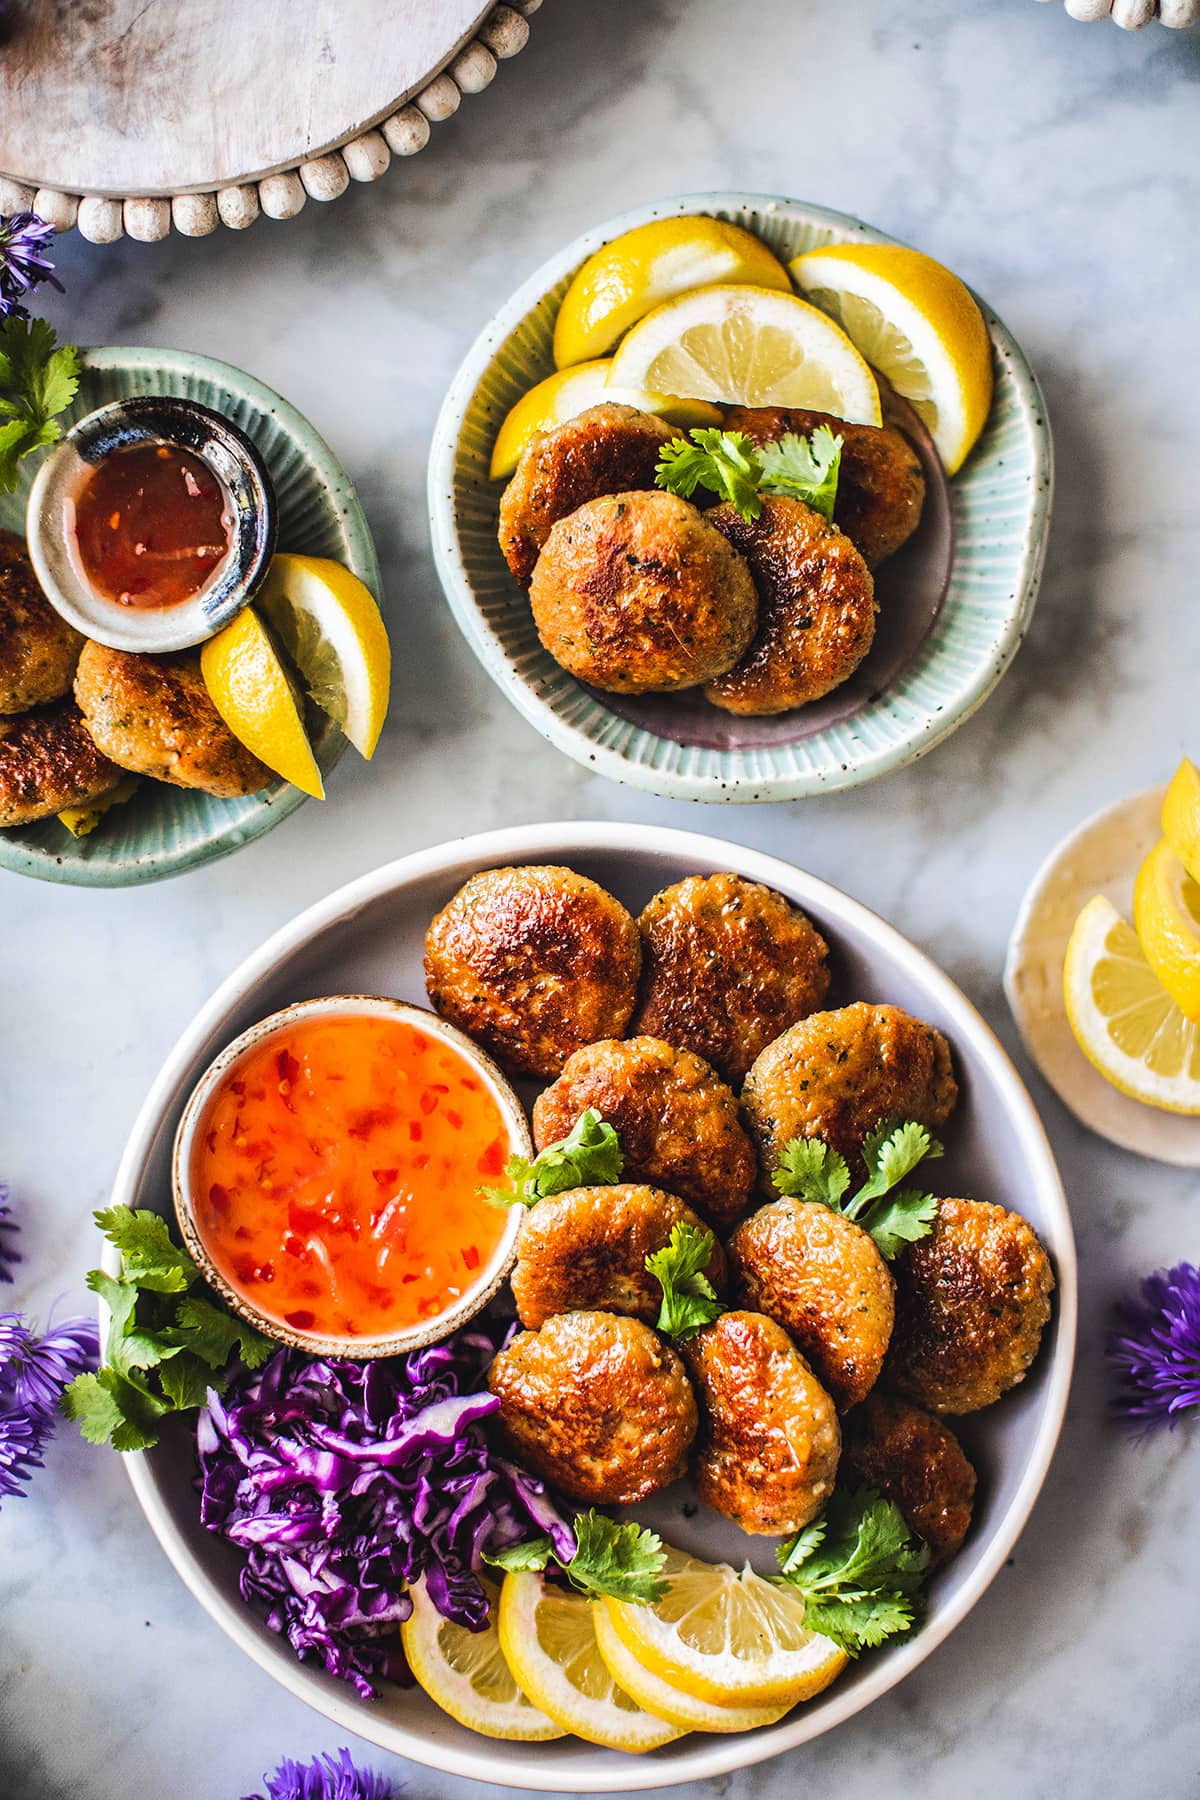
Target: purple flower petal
{"x": 1155, "y": 1350}
{"x": 24, "y": 264}
{"x": 331, "y": 1777}
{"x": 33, "y": 1374}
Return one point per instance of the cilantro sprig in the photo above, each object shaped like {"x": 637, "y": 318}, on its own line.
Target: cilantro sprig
{"x": 812, "y": 1170}
{"x": 728, "y": 464}
{"x": 623, "y": 1561}
{"x": 589, "y": 1156}
{"x": 689, "y": 1300}
{"x": 38, "y": 379}
{"x": 166, "y": 1345}
{"x": 859, "y": 1569}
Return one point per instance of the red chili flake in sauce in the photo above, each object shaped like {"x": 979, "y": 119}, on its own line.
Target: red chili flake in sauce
{"x": 152, "y": 522}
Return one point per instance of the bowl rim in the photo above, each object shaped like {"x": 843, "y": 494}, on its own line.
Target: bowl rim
{"x": 414, "y": 1337}
{"x": 558, "y": 841}
{"x": 16, "y": 854}
{"x": 922, "y": 731}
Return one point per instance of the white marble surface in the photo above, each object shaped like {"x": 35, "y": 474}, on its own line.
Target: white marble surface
{"x": 1059, "y": 170}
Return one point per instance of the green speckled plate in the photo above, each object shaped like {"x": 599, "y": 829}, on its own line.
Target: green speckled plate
{"x": 953, "y": 607}
{"x": 166, "y": 830}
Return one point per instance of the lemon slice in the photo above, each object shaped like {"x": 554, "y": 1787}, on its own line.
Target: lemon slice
{"x": 81, "y": 821}
{"x": 749, "y": 346}
{"x": 654, "y": 1695}
{"x": 328, "y": 622}
{"x": 549, "y": 1640}
{"x": 1123, "y": 1019}
{"x": 1181, "y": 816}
{"x": 628, "y": 278}
{"x": 251, "y": 690}
{"x": 729, "y": 1638}
{"x": 466, "y": 1674}
{"x": 569, "y": 391}
{"x": 1166, "y": 917}
{"x": 916, "y": 323}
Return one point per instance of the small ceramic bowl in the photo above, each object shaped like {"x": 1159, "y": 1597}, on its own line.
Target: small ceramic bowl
{"x": 490, "y": 1274}
{"x": 122, "y": 425}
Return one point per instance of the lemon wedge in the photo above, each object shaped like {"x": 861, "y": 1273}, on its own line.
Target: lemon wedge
{"x": 466, "y": 1674}
{"x": 329, "y": 624}
{"x": 1124, "y": 1021}
{"x": 569, "y": 391}
{"x": 748, "y": 346}
{"x": 1166, "y": 917}
{"x": 549, "y": 1640}
{"x": 81, "y": 821}
{"x": 250, "y": 688}
{"x": 654, "y": 1695}
{"x": 1181, "y": 816}
{"x": 730, "y": 1638}
{"x": 917, "y": 324}
{"x": 628, "y": 278}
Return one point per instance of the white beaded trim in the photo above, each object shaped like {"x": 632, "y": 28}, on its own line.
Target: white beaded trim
{"x": 1131, "y": 15}
{"x": 365, "y": 158}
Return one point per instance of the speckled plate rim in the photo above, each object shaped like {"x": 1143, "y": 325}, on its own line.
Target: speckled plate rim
{"x": 518, "y": 1765}
{"x": 906, "y": 722}
{"x": 341, "y": 500}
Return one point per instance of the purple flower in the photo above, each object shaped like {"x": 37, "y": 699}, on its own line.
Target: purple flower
{"x": 33, "y": 1374}
{"x": 332, "y": 1777}
{"x": 1155, "y": 1350}
{"x": 24, "y": 264}
{"x": 8, "y": 1256}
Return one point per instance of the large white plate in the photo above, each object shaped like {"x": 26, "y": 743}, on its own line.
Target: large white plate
{"x": 367, "y": 938}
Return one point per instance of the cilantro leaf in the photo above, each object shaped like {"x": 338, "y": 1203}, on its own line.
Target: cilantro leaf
{"x": 147, "y": 1246}
{"x": 213, "y": 1335}
{"x": 905, "y": 1217}
{"x": 111, "y": 1409}
{"x": 38, "y": 379}
{"x": 185, "y": 1382}
{"x": 861, "y": 1575}
{"x": 811, "y": 1169}
{"x": 589, "y": 1156}
{"x": 805, "y": 468}
{"x": 725, "y": 462}
{"x": 689, "y": 1300}
{"x": 891, "y": 1152}
{"x": 535, "y": 1553}
{"x": 623, "y": 1561}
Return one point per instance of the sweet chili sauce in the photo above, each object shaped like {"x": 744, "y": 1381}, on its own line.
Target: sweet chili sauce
{"x": 151, "y": 523}
{"x": 335, "y": 1171}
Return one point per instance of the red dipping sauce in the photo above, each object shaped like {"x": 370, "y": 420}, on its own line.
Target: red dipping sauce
{"x": 335, "y": 1172}
{"x": 152, "y": 522}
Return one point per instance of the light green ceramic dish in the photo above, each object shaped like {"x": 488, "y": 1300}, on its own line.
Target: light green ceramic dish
{"x": 999, "y": 511}
{"x": 166, "y": 830}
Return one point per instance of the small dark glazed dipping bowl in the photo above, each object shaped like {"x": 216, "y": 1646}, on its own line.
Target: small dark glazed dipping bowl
{"x": 250, "y": 522}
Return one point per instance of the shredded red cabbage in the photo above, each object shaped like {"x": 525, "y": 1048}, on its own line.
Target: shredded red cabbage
{"x": 344, "y": 1482}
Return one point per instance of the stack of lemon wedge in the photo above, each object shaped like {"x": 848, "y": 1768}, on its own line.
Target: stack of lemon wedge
{"x": 1133, "y": 992}
{"x": 724, "y": 1651}
{"x": 681, "y": 315}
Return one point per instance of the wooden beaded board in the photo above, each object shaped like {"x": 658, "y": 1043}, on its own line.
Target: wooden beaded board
{"x": 133, "y": 116}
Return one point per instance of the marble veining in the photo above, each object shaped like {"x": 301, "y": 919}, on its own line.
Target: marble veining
{"x": 1059, "y": 171}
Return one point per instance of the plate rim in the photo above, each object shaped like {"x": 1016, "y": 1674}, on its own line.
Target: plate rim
{"x": 920, "y": 735}
{"x": 17, "y": 858}
{"x": 559, "y": 839}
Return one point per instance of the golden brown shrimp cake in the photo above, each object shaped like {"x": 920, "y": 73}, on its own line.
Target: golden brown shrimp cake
{"x": 768, "y": 1446}
{"x": 586, "y": 1250}
{"x": 153, "y": 715}
{"x": 678, "y": 1122}
{"x": 533, "y": 963}
{"x": 820, "y": 1276}
{"x": 637, "y": 593}
{"x": 836, "y": 1075}
{"x": 38, "y": 649}
{"x": 914, "y": 1460}
{"x": 596, "y": 1405}
{"x": 727, "y": 964}
{"x": 972, "y": 1301}
{"x": 881, "y": 485}
{"x": 608, "y": 449}
{"x": 49, "y": 761}
{"x": 817, "y": 608}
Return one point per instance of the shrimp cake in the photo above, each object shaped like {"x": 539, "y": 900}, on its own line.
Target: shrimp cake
{"x": 49, "y": 761}
{"x": 727, "y": 964}
{"x": 914, "y": 1460}
{"x": 817, "y": 608}
{"x": 38, "y": 649}
{"x": 608, "y": 449}
{"x": 533, "y": 963}
{"x": 678, "y": 1122}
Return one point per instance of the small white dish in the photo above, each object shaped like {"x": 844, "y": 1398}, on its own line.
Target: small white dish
{"x": 473, "y": 1299}
{"x": 1101, "y": 857}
